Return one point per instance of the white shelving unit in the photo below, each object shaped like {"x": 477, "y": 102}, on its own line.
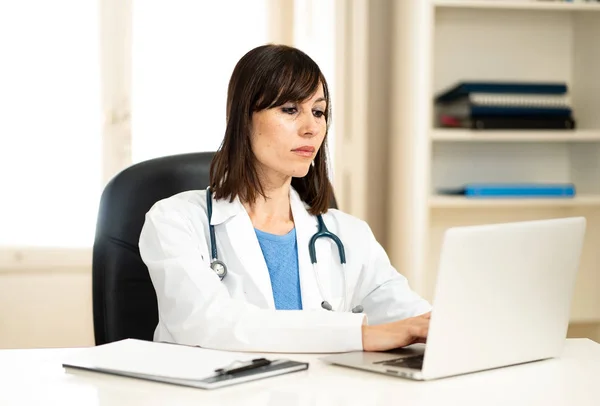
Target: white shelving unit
{"x": 448, "y": 41}
{"x": 455, "y": 135}
{"x": 451, "y": 202}
{"x": 517, "y": 5}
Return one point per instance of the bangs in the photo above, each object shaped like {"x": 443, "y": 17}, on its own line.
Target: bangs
{"x": 295, "y": 79}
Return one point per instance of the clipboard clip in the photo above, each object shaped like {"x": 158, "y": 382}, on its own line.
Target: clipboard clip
{"x": 238, "y": 366}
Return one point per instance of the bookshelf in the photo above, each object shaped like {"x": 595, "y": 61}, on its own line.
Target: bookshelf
{"x": 517, "y": 5}
{"x": 454, "y": 135}
{"x": 452, "y": 202}
{"x": 437, "y": 43}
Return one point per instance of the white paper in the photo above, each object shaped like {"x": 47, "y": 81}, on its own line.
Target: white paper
{"x": 156, "y": 359}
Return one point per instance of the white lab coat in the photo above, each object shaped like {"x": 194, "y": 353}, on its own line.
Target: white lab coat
{"x": 238, "y": 313}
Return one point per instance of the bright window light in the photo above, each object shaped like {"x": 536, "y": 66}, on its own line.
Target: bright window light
{"x": 184, "y": 52}
{"x": 50, "y": 122}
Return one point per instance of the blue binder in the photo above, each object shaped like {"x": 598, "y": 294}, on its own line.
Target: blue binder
{"x": 525, "y": 190}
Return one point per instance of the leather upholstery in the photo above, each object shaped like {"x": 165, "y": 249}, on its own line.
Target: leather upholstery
{"x": 124, "y": 300}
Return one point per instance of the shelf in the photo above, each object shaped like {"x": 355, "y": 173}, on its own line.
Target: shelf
{"x": 517, "y": 5}
{"x": 451, "y": 135}
{"x": 460, "y": 202}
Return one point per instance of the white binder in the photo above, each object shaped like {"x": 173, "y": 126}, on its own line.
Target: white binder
{"x": 178, "y": 364}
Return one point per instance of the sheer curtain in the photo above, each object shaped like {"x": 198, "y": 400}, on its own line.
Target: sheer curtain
{"x": 183, "y": 53}
{"x": 50, "y": 122}
{"x": 314, "y": 33}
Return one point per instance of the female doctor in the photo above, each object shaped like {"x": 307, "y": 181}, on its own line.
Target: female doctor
{"x": 267, "y": 290}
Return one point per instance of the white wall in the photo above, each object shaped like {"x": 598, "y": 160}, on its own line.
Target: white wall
{"x": 53, "y": 308}
{"x": 46, "y": 308}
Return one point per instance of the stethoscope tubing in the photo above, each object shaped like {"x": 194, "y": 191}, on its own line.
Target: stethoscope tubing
{"x": 322, "y": 232}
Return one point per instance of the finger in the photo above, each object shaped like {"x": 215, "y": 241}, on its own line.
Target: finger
{"x": 425, "y": 315}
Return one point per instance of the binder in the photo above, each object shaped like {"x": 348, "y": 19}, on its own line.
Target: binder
{"x": 515, "y": 99}
{"x": 462, "y": 89}
{"x": 467, "y": 110}
{"x": 178, "y": 364}
{"x": 509, "y": 122}
{"x": 513, "y": 190}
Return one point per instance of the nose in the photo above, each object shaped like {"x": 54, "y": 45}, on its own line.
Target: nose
{"x": 311, "y": 126}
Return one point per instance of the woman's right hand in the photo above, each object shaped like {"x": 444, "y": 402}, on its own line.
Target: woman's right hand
{"x": 397, "y": 334}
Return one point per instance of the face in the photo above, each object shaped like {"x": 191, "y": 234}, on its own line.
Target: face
{"x": 285, "y": 139}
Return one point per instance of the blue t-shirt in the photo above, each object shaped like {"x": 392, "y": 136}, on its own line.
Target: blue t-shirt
{"x": 281, "y": 256}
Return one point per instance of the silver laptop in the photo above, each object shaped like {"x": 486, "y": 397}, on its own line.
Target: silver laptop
{"x": 502, "y": 297}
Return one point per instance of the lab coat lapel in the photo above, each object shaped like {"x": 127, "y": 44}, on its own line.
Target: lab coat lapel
{"x": 244, "y": 242}
{"x": 306, "y": 226}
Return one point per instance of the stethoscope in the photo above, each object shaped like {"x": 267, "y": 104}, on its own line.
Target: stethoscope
{"x": 220, "y": 268}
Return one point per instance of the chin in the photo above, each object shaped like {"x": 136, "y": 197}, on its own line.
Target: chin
{"x": 299, "y": 171}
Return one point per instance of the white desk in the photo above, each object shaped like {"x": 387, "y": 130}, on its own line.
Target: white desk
{"x": 35, "y": 377}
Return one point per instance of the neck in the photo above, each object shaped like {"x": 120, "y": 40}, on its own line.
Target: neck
{"x": 272, "y": 214}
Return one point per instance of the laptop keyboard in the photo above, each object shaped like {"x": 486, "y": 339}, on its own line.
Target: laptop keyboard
{"x": 415, "y": 362}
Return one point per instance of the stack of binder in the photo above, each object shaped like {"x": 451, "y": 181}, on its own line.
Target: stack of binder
{"x": 505, "y": 105}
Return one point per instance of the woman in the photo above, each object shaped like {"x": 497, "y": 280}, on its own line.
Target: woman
{"x": 268, "y": 185}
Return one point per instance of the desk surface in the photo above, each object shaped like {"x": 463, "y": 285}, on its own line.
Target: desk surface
{"x": 36, "y": 377}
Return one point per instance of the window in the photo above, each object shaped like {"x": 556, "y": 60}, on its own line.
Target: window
{"x": 183, "y": 54}
{"x": 50, "y": 125}
{"x": 51, "y": 128}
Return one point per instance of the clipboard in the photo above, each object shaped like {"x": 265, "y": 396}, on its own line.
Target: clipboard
{"x": 178, "y": 364}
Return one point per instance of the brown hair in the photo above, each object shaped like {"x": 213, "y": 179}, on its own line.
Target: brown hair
{"x": 266, "y": 77}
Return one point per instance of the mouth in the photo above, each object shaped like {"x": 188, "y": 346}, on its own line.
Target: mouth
{"x": 305, "y": 151}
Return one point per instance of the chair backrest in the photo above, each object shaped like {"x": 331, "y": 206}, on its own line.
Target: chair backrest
{"x": 124, "y": 300}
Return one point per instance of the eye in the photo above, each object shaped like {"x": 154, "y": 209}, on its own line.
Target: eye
{"x": 318, "y": 113}
{"x": 289, "y": 110}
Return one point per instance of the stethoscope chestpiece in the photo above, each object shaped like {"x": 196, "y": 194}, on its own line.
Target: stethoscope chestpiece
{"x": 219, "y": 268}
{"x": 358, "y": 309}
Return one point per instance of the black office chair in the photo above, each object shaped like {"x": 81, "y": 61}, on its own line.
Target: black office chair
{"x": 124, "y": 300}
